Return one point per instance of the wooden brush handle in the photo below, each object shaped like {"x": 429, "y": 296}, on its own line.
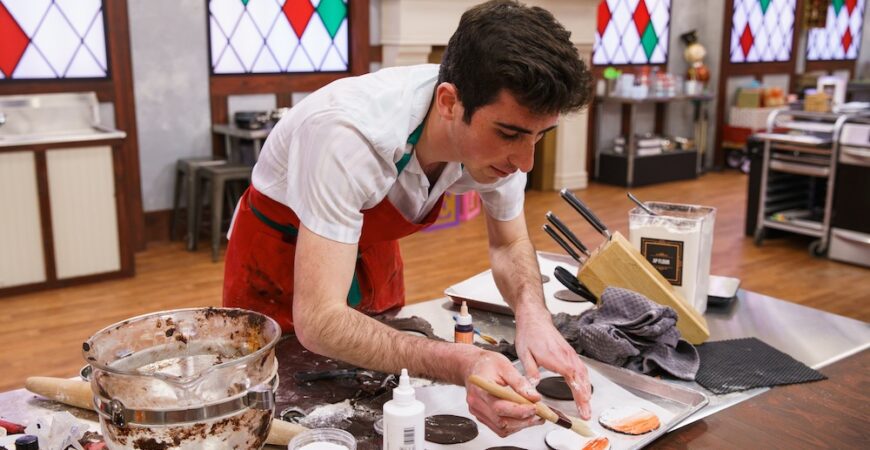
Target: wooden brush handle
{"x": 78, "y": 393}
{"x": 506, "y": 393}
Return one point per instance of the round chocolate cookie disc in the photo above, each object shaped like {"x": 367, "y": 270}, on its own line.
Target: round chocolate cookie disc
{"x": 448, "y": 429}
{"x": 544, "y": 280}
{"x": 568, "y": 296}
{"x": 632, "y": 420}
{"x": 556, "y": 388}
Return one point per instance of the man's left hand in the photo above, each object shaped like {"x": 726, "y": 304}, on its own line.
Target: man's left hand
{"x": 539, "y": 344}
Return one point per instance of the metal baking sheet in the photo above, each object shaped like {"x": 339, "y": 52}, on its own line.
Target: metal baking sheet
{"x": 613, "y": 387}
{"x": 481, "y": 292}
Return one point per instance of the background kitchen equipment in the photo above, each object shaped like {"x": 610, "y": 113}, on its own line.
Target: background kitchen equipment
{"x": 257, "y": 120}
{"x": 850, "y": 228}
{"x": 209, "y": 369}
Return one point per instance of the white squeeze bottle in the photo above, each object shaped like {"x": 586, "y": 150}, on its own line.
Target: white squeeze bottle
{"x": 404, "y": 415}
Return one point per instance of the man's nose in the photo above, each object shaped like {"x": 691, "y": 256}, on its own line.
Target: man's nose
{"x": 524, "y": 159}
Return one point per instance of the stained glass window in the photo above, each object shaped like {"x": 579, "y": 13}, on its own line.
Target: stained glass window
{"x": 274, "y": 36}
{"x": 762, "y": 30}
{"x": 841, "y": 37}
{"x": 42, "y": 39}
{"x": 632, "y": 32}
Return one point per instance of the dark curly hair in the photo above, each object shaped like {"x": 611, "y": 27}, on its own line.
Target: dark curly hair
{"x": 503, "y": 44}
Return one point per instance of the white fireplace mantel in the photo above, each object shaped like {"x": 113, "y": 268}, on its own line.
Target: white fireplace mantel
{"x": 410, "y": 28}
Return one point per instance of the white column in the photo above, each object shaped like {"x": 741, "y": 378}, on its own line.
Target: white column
{"x": 571, "y": 139}
{"x": 571, "y": 152}
{"x": 405, "y": 55}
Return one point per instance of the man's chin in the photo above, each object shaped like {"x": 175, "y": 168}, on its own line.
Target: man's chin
{"x": 483, "y": 178}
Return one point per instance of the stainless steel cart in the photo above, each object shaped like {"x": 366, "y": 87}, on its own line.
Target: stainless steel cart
{"x": 804, "y": 144}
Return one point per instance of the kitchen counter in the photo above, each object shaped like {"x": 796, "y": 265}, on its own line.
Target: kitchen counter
{"x": 814, "y": 337}
{"x": 95, "y": 135}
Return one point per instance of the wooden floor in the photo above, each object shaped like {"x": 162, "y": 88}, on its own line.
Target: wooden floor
{"x": 43, "y": 332}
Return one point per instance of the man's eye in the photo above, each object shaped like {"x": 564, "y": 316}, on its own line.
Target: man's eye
{"x": 509, "y": 137}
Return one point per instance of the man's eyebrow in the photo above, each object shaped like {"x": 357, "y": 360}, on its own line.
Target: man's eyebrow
{"x": 521, "y": 129}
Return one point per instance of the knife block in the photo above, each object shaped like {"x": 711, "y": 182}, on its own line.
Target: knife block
{"x": 618, "y": 264}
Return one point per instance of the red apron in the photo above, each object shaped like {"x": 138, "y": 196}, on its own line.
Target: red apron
{"x": 261, "y": 253}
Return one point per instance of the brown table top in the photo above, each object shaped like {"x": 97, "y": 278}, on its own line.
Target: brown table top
{"x": 833, "y": 413}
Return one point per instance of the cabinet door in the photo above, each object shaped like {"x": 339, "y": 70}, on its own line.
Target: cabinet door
{"x": 21, "y": 254}
{"x": 84, "y": 219}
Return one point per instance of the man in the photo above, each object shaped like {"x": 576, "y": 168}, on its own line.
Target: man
{"x": 366, "y": 160}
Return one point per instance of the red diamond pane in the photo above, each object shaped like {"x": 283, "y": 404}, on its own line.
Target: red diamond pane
{"x": 847, "y": 40}
{"x": 850, "y": 5}
{"x": 746, "y": 40}
{"x": 298, "y": 13}
{"x": 603, "y": 17}
{"x": 641, "y": 17}
{"x": 13, "y": 41}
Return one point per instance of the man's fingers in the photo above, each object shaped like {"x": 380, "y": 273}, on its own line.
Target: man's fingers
{"x": 508, "y": 409}
{"x": 501, "y": 416}
{"x": 531, "y": 367}
{"x": 578, "y": 382}
{"x": 521, "y": 385}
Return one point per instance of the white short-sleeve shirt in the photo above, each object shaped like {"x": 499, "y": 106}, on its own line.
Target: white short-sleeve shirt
{"x": 334, "y": 155}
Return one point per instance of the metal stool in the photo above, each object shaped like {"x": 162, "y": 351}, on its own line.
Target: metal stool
{"x": 217, "y": 178}
{"x": 185, "y": 177}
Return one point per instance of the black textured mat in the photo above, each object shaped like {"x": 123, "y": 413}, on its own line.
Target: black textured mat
{"x": 741, "y": 364}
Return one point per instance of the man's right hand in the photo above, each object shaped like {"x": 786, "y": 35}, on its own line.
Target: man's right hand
{"x": 501, "y": 416}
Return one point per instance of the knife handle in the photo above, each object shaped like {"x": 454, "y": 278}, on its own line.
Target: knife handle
{"x": 567, "y": 232}
{"x": 584, "y": 211}
{"x": 562, "y": 243}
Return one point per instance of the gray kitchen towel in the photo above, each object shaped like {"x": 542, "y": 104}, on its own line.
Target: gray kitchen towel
{"x": 629, "y": 330}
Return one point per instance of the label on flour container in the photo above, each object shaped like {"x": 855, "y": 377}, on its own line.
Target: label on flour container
{"x": 666, "y": 256}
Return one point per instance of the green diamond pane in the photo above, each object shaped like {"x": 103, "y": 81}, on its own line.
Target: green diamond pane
{"x": 649, "y": 40}
{"x": 838, "y": 5}
{"x": 332, "y": 13}
{"x": 245, "y": 2}
{"x": 764, "y": 5}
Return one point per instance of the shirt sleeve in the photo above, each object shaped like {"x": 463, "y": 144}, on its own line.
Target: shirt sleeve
{"x": 333, "y": 174}
{"x": 503, "y": 200}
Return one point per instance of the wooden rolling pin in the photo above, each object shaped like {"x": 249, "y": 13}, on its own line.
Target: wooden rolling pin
{"x": 78, "y": 393}
{"x": 543, "y": 411}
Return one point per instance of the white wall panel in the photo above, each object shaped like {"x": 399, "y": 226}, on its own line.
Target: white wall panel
{"x": 21, "y": 255}
{"x": 84, "y": 219}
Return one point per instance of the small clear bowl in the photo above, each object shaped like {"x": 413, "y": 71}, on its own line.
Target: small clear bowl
{"x": 324, "y": 436}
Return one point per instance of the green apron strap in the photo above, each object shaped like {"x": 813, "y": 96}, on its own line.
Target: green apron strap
{"x": 354, "y": 296}
{"x": 413, "y": 139}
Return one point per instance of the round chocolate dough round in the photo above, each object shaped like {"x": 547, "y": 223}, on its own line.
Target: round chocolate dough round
{"x": 568, "y": 296}
{"x": 448, "y": 429}
{"x": 556, "y": 388}
{"x": 544, "y": 280}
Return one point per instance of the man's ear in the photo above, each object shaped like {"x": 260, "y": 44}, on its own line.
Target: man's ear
{"x": 447, "y": 101}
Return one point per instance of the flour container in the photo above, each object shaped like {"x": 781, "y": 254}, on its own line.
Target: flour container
{"x": 678, "y": 242}
{"x": 189, "y": 379}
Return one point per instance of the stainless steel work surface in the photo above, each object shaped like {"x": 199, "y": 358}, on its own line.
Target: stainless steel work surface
{"x": 814, "y": 337}
{"x": 811, "y": 336}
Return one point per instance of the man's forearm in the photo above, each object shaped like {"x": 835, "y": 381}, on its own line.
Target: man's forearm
{"x": 353, "y": 337}
{"x": 518, "y": 276}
